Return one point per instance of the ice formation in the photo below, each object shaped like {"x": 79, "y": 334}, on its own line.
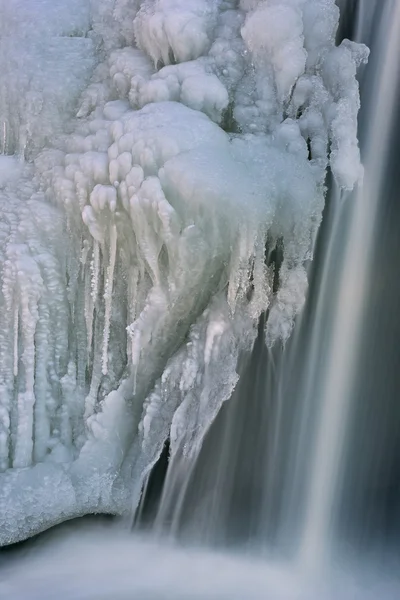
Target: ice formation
{"x": 162, "y": 149}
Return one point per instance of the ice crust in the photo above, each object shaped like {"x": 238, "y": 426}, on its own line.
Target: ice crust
{"x": 161, "y": 150}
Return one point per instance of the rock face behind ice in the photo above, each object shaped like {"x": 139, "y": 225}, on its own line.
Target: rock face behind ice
{"x": 167, "y": 144}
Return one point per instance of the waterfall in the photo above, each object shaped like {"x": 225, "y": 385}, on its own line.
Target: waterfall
{"x": 192, "y": 323}
{"x": 272, "y": 469}
{"x": 349, "y": 311}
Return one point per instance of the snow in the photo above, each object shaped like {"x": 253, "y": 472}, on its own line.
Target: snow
{"x": 158, "y": 148}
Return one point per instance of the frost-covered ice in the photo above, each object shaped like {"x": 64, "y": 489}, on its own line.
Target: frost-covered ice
{"x": 170, "y": 145}
{"x": 46, "y": 59}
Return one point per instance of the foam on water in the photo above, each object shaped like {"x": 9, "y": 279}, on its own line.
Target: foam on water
{"x": 99, "y": 563}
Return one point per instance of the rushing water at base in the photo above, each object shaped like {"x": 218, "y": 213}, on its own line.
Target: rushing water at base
{"x": 102, "y": 563}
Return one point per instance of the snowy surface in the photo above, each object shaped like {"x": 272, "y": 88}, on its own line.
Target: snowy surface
{"x": 167, "y": 144}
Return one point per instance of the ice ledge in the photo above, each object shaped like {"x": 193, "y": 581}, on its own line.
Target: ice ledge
{"x": 37, "y": 498}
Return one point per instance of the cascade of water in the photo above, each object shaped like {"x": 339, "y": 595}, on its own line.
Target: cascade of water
{"x": 272, "y": 467}
{"x": 338, "y": 382}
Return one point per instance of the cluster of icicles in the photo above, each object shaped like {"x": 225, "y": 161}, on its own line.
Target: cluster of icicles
{"x": 133, "y": 252}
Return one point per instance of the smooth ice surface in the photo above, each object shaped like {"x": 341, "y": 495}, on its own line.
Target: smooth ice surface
{"x": 96, "y": 564}
{"x": 170, "y": 147}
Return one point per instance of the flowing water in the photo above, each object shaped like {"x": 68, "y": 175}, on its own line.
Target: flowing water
{"x": 299, "y": 474}
{"x": 282, "y": 445}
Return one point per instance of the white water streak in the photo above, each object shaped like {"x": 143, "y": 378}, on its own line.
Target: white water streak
{"x": 348, "y": 320}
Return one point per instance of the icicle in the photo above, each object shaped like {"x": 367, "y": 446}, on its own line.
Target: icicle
{"x": 26, "y": 399}
{"x": 89, "y": 312}
{"x": 84, "y": 255}
{"x": 216, "y": 328}
{"x": 133, "y": 281}
{"x": 4, "y": 144}
{"x": 4, "y": 441}
{"x": 43, "y": 364}
{"x": 91, "y": 294}
{"x": 95, "y": 267}
{"x": 240, "y": 267}
{"x": 108, "y": 297}
{"x": 136, "y": 337}
{"x": 262, "y": 280}
{"x": 16, "y": 314}
{"x": 91, "y": 398}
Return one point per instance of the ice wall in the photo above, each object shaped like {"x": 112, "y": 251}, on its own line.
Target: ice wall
{"x": 133, "y": 241}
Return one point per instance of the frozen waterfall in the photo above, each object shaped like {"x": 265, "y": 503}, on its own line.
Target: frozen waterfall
{"x": 199, "y": 299}
{"x": 155, "y": 154}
